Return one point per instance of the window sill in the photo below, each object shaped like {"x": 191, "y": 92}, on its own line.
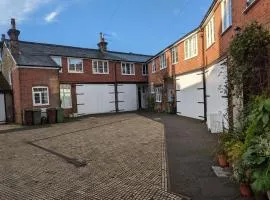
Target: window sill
{"x": 226, "y": 30}
{"x": 210, "y": 45}
{"x": 100, "y": 73}
{"x": 175, "y": 63}
{"x": 250, "y": 6}
{"x": 163, "y": 68}
{"x": 128, "y": 74}
{"x": 191, "y": 57}
{"x": 71, "y": 72}
{"x": 158, "y": 101}
{"x": 39, "y": 105}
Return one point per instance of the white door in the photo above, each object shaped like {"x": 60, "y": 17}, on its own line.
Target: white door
{"x": 189, "y": 95}
{"x": 2, "y": 108}
{"x": 127, "y": 97}
{"x": 95, "y": 98}
{"x": 217, "y": 102}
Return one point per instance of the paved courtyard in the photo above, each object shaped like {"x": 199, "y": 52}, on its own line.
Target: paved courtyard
{"x": 103, "y": 157}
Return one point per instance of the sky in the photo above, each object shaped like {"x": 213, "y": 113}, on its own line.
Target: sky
{"x": 138, "y": 26}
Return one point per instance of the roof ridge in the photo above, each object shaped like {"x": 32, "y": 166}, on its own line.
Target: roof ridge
{"x": 83, "y": 48}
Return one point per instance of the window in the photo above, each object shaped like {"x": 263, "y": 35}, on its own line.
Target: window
{"x": 58, "y": 61}
{"x": 65, "y": 96}
{"x": 75, "y": 65}
{"x": 40, "y": 96}
{"x": 154, "y": 67}
{"x": 159, "y": 94}
{"x": 100, "y": 67}
{"x": 174, "y": 52}
{"x": 163, "y": 64}
{"x": 152, "y": 89}
{"x": 128, "y": 69}
{"x": 210, "y": 33}
{"x": 191, "y": 47}
{"x": 226, "y": 11}
{"x": 144, "y": 69}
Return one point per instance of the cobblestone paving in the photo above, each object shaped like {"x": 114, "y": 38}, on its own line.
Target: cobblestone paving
{"x": 105, "y": 157}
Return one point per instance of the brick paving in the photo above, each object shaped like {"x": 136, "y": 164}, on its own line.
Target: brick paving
{"x": 103, "y": 157}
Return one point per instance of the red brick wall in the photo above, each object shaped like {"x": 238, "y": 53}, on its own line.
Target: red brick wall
{"x": 88, "y": 77}
{"x": 241, "y": 17}
{"x": 23, "y": 81}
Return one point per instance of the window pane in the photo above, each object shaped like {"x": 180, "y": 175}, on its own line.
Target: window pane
{"x": 95, "y": 66}
{"x": 37, "y": 98}
{"x": 72, "y": 67}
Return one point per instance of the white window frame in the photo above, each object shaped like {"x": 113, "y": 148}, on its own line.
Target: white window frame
{"x": 65, "y": 87}
{"x": 152, "y": 88}
{"x": 226, "y": 14}
{"x": 158, "y": 94}
{"x": 55, "y": 58}
{"x": 154, "y": 66}
{"x": 125, "y": 73}
{"x": 210, "y": 32}
{"x": 103, "y": 64}
{"x": 250, "y": 2}
{"x": 33, "y": 96}
{"x": 74, "y": 71}
{"x": 174, "y": 53}
{"x": 191, "y": 47}
{"x": 144, "y": 69}
{"x": 163, "y": 63}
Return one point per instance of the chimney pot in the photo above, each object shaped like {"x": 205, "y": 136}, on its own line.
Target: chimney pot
{"x": 13, "y": 23}
{"x": 102, "y": 43}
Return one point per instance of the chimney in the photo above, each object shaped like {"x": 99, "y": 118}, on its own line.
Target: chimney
{"x": 13, "y": 34}
{"x": 102, "y": 45}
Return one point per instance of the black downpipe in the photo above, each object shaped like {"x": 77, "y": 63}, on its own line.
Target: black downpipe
{"x": 116, "y": 88}
{"x": 204, "y": 95}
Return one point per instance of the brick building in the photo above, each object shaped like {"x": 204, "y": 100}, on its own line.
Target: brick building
{"x": 80, "y": 80}
{"x": 195, "y": 65}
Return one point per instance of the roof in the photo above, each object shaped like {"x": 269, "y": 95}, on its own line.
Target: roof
{"x": 4, "y": 86}
{"x": 39, "y": 54}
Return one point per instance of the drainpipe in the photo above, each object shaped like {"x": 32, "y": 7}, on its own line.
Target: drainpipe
{"x": 204, "y": 78}
{"x": 116, "y": 88}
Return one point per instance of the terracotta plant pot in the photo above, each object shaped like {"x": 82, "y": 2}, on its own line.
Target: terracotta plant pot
{"x": 245, "y": 190}
{"x": 222, "y": 160}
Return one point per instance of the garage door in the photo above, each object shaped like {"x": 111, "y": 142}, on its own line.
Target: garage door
{"x": 95, "y": 98}
{"x": 189, "y": 95}
{"x": 128, "y": 97}
{"x": 217, "y": 103}
{"x": 2, "y": 108}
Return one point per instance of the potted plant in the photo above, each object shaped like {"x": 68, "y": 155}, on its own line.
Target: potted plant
{"x": 240, "y": 175}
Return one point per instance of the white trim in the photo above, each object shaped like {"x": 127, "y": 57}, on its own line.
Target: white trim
{"x": 154, "y": 64}
{"x": 103, "y": 61}
{"x": 60, "y": 65}
{"x": 174, "y": 54}
{"x": 33, "y": 96}
{"x": 130, "y": 65}
{"x": 75, "y": 72}
{"x": 210, "y": 32}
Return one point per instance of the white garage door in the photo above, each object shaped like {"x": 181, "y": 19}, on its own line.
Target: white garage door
{"x": 217, "y": 102}
{"x": 95, "y": 98}
{"x": 128, "y": 97}
{"x": 2, "y": 108}
{"x": 189, "y": 95}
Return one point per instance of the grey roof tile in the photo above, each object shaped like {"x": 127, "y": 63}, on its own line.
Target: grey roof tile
{"x": 38, "y": 54}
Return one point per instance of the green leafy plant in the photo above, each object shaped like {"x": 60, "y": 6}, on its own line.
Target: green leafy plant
{"x": 235, "y": 151}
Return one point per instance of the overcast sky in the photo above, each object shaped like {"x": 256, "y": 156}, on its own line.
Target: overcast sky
{"x": 139, "y": 26}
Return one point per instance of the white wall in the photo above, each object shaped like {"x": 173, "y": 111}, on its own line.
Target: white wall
{"x": 96, "y": 98}
{"x": 189, "y": 95}
{"x": 129, "y": 95}
{"x": 217, "y": 104}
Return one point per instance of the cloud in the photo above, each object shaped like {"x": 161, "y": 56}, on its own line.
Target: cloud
{"x": 176, "y": 11}
{"x": 50, "y": 17}
{"x": 18, "y": 9}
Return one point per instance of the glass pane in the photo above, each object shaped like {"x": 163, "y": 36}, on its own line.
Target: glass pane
{"x": 44, "y": 98}
{"x": 37, "y": 98}
{"x": 95, "y": 66}
{"x": 79, "y": 67}
{"x": 71, "y": 67}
